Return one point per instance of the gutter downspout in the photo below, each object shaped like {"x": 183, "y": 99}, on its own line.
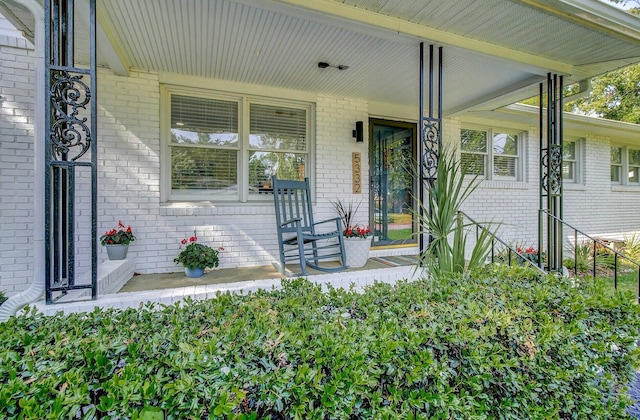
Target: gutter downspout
{"x": 583, "y": 91}
{"x": 11, "y": 306}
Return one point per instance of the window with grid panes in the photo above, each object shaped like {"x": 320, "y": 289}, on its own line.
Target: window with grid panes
{"x": 217, "y": 154}
{"x": 493, "y": 154}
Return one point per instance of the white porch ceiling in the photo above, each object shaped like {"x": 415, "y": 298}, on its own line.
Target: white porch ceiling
{"x": 491, "y": 47}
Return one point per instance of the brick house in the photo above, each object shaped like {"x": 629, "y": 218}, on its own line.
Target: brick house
{"x": 310, "y": 69}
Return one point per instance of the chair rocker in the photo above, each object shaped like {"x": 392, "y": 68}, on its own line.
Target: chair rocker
{"x": 297, "y": 236}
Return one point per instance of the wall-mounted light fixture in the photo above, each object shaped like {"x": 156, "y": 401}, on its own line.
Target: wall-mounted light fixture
{"x": 358, "y": 133}
{"x": 324, "y": 65}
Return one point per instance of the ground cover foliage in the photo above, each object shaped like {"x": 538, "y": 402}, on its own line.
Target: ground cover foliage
{"x": 502, "y": 344}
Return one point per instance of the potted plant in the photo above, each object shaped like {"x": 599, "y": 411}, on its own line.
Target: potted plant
{"x": 195, "y": 257}
{"x": 357, "y": 238}
{"x": 117, "y": 241}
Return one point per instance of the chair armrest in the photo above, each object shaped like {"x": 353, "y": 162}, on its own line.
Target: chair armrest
{"x": 291, "y": 221}
{"x": 327, "y": 221}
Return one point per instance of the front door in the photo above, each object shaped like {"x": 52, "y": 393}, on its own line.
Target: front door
{"x": 393, "y": 185}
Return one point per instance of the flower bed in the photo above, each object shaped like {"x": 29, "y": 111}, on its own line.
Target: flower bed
{"x": 502, "y": 344}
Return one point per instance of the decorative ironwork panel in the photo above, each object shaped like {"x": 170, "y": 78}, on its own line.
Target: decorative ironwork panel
{"x": 70, "y": 135}
{"x": 431, "y": 148}
{"x": 551, "y": 182}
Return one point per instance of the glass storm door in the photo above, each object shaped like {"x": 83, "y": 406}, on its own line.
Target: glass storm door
{"x": 392, "y": 148}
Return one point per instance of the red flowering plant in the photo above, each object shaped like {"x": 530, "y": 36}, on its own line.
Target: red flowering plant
{"x": 530, "y": 254}
{"x": 197, "y": 255}
{"x": 356, "y": 231}
{"x": 119, "y": 236}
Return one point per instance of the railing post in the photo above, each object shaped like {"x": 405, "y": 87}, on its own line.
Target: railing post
{"x": 594, "y": 259}
{"x": 575, "y": 252}
{"x": 615, "y": 271}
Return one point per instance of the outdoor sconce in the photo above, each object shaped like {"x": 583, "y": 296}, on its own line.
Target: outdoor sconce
{"x": 358, "y": 132}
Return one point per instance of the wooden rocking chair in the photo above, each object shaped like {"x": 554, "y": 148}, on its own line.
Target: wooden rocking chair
{"x": 297, "y": 236}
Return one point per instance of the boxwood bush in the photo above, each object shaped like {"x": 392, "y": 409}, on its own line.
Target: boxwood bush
{"x": 501, "y": 344}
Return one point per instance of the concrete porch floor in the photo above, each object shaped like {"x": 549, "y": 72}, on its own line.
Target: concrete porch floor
{"x": 169, "y": 288}
{"x": 145, "y": 282}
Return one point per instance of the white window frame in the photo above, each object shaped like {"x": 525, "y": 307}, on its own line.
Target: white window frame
{"x": 244, "y": 101}
{"x": 624, "y": 166}
{"x": 577, "y": 162}
{"x": 491, "y": 132}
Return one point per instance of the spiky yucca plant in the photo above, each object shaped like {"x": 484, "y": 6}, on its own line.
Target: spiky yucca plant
{"x": 441, "y": 219}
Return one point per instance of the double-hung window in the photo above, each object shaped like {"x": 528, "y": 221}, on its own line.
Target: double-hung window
{"x": 227, "y": 148}
{"x": 616, "y": 164}
{"x": 625, "y": 165}
{"x": 571, "y": 160}
{"x": 492, "y": 154}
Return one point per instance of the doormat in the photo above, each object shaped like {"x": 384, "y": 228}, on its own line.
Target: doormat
{"x": 397, "y": 260}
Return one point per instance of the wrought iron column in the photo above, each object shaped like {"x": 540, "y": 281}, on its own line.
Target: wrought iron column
{"x": 70, "y": 131}
{"x": 430, "y": 127}
{"x": 551, "y": 135}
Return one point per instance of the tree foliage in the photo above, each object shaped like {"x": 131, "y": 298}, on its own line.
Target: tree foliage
{"x": 615, "y": 95}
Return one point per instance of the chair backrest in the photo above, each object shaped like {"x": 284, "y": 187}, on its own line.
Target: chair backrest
{"x": 292, "y": 200}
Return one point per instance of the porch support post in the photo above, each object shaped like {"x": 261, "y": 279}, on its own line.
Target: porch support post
{"x": 70, "y": 147}
{"x": 551, "y": 173}
{"x": 430, "y": 128}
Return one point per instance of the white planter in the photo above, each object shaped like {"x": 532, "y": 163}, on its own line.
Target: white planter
{"x": 357, "y": 250}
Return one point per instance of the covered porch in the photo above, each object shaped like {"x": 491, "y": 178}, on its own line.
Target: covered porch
{"x": 162, "y": 67}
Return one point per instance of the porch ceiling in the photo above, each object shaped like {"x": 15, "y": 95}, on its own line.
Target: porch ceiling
{"x": 495, "y": 51}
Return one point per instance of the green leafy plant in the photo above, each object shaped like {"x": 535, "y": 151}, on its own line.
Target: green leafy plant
{"x": 3, "y": 298}
{"x": 631, "y": 248}
{"x": 580, "y": 257}
{"x": 441, "y": 219}
{"x": 497, "y": 343}
{"x": 118, "y": 236}
{"x": 197, "y": 255}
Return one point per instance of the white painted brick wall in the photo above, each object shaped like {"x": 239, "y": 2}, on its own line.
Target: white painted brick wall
{"x": 16, "y": 164}
{"x": 510, "y": 208}
{"x": 336, "y": 119}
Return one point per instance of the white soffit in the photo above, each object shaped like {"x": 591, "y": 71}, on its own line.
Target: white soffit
{"x": 491, "y": 47}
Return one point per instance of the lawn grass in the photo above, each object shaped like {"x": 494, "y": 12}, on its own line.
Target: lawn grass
{"x": 400, "y": 234}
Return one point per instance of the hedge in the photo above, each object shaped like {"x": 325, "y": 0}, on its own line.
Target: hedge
{"x": 501, "y": 344}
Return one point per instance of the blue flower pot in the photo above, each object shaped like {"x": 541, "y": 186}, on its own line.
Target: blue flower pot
{"x": 194, "y": 272}
{"x": 117, "y": 251}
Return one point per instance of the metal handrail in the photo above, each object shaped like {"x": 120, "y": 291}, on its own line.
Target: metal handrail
{"x": 596, "y": 242}
{"x": 510, "y": 250}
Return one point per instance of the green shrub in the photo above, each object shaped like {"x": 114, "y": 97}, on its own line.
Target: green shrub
{"x": 3, "y": 298}
{"x": 502, "y": 344}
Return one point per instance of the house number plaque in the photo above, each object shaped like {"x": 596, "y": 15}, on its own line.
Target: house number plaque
{"x": 356, "y": 168}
